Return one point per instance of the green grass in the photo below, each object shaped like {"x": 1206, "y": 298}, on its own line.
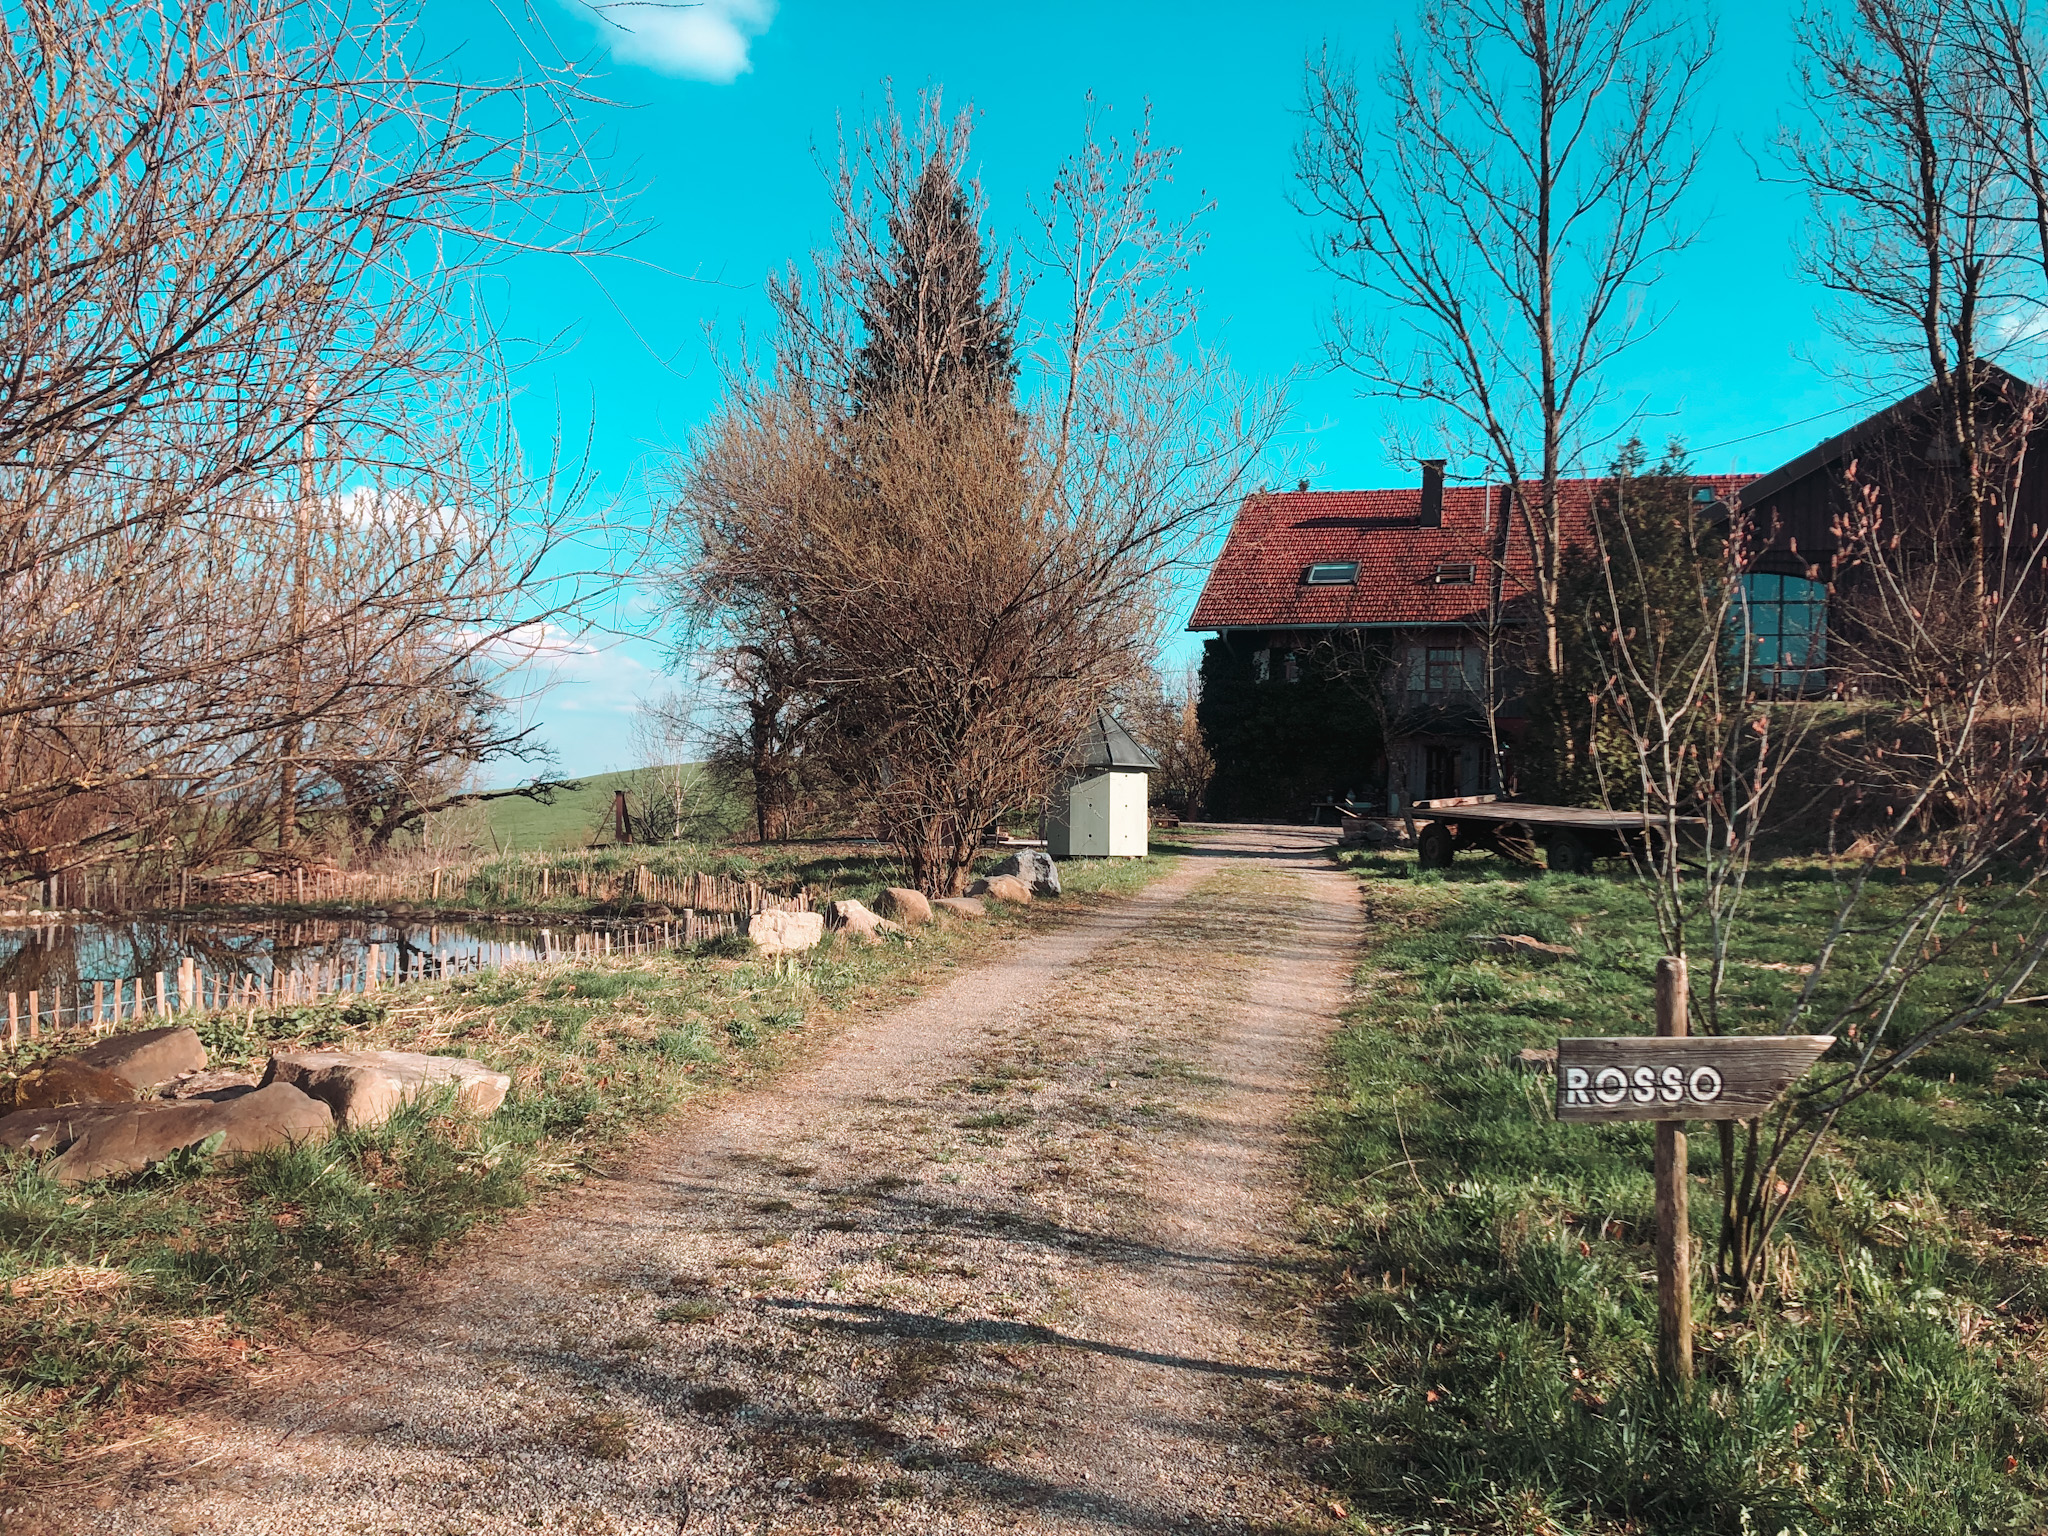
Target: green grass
{"x": 1494, "y": 1308}
{"x": 123, "y": 1293}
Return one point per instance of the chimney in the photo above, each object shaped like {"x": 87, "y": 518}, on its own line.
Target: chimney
{"x": 1432, "y": 514}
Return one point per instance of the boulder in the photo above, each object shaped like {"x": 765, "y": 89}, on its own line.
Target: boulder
{"x": 960, "y": 906}
{"x": 144, "y": 1058}
{"x": 855, "y": 920}
{"x": 67, "y": 1080}
{"x": 1002, "y": 888}
{"x": 1522, "y": 946}
{"x": 52, "y": 1130}
{"x": 786, "y": 933}
{"x": 129, "y": 1138}
{"x": 212, "y": 1085}
{"x": 907, "y": 906}
{"x": 364, "y": 1088}
{"x": 1034, "y": 866}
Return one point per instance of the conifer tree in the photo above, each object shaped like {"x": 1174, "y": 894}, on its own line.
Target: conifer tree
{"x": 932, "y": 328}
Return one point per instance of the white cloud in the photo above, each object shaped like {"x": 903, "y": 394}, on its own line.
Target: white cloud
{"x": 703, "y": 41}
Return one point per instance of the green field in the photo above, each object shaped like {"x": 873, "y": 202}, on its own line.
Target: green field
{"x": 577, "y": 818}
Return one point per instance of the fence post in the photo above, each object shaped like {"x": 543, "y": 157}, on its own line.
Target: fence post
{"x": 1674, "y": 1257}
{"x": 35, "y": 1014}
{"x": 13, "y": 1022}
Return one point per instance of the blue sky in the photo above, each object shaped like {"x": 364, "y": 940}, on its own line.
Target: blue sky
{"x": 723, "y": 109}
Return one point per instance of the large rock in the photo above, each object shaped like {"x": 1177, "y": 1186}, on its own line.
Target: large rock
{"x": 67, "y": 1080}
{"x": 147, "y": 1057}
{"x": 365, "y": 1088}
{"x": 1035, "y": 867}
{"x": 1002, "y": 888}
{"x": 856, "y": 921}
{"x": 786, "y": 933}
{"x": 960, "y": 906}
{"x": 99, "y": 1141}
{"x": 908, "y": 907}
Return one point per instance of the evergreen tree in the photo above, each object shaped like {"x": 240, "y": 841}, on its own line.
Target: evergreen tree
{"x": 933, "y": 330}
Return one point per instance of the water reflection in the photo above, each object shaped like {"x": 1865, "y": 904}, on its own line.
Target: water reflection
{"x": 69, "y": 955}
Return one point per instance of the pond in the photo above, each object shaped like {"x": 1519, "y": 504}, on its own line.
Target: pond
{"x": 64, "y": 966}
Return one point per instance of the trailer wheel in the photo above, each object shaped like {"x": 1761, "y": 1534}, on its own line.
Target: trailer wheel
{"x": 1435, "y": 848}
{"x": 1568, "y": 854}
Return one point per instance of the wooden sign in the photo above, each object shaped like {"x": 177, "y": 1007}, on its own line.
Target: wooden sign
{"x": 1651, "y": 1077}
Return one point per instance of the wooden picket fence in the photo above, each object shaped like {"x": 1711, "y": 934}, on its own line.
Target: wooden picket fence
{"x": 192, "y": 991}
{"x": 533, "y": 883}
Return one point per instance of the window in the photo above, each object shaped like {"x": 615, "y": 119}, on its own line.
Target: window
{"x": 1262, "y": 666}
{"x": 1445, "y": 669}
{"x": 1704, "y": 495}
{"x": 1783, "y": 623}
{"x": 1453, "y": 573}
{"x": 1332, "y": 573}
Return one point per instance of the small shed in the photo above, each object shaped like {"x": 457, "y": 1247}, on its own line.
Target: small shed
{"x": 1100, "y": 811}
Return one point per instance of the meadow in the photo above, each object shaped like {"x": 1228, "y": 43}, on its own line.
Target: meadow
{"x": 1493, "y": 1271}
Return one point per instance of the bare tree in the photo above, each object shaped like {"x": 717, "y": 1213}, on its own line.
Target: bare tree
{"x": 1499, "y": 218}
{"x": 957, "y": 569}
{"x": 257, "y": 475}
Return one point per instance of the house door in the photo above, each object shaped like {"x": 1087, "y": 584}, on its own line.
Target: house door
{"x": 1439, "y": 772}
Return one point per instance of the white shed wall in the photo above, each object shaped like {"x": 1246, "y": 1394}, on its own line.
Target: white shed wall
{"x": 1100, "y": 816}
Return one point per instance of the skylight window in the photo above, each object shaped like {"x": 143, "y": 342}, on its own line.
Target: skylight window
{"x": 1454, "y": 573}
{"x": 1332, "y": 573}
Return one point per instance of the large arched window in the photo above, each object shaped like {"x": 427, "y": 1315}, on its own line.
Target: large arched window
{"x": 1784, "y": 626}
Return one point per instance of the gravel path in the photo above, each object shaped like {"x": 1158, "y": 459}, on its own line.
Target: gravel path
{"x": 1016, "y": 1256}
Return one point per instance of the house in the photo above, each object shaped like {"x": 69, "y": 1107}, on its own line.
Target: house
{"x": 1387, "y": 610}
{"x": 1891, "y": 480}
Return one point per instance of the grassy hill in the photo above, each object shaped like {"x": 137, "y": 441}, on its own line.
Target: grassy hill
{"x": 573, "y": 821}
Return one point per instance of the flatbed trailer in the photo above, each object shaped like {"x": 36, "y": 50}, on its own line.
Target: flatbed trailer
{"x": 1571, "y": 836}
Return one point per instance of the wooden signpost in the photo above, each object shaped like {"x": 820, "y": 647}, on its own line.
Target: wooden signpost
{"x": 1670, "y": 1078}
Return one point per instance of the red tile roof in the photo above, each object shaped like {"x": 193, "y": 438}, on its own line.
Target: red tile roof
{"x": 1257, "y": 581}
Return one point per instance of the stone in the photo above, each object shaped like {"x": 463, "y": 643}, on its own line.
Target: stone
{"x": 67, "y": 1080}
{"x": 1524, "y": 947}
{"x": 212, "y": 1085}
{"x": 905, "y": 905}
{"x": 1002, "y": 888}
{"x": 144, "y": 1058}
{"x": 365, "y": 1088}
{"x": 1534, "y": 1059}
{"x": 854, "y": 919}
{"x": 1035, "y": 867}
{"x": 786, "y": 933}
{"x": 129, "y": 1138}
{"x": 960, "y": 906}
{"x": 1368, "y": 832}
{"x": 51, "y": 1130}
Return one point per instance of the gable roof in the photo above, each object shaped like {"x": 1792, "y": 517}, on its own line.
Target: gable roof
{"x": 1258, "y": 579}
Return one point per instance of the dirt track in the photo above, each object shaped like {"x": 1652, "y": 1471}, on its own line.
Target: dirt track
{"x": 1016, "y": 1256}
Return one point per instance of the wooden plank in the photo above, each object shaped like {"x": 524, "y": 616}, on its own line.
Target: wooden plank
{"x": 1641, "y": 1077}
{"x": 1547, "y": 816}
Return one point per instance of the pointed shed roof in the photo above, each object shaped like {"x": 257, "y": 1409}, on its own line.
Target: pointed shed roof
{"x": 1106, "y": 744}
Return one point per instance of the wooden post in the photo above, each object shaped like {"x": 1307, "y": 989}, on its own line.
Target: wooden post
{"x": 35, "y": 1014}
{"x": 1674, "y": 1223}
{"x": 13, "y": 1022}
{"x": 161, "y": 1009}
{"x": 99, "y": 1003}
